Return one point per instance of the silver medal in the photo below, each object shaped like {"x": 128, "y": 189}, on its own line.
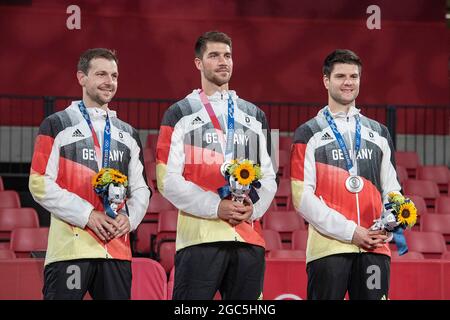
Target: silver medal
{"x": 354, "y": 184}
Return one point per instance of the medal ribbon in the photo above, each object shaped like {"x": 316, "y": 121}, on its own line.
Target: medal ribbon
{"x": 340, "y": 139}
{"x": 105, "y": 153}
{"x": 230, "y": 124}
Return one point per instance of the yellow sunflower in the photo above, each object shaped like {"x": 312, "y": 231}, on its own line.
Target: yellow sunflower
{"x": 407, "y": 214}
{"x": 245, "y": 173}
{"x": 109, "y": 175}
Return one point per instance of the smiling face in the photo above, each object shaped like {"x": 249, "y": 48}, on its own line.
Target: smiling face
{"x": 216, "y": 64}
{"x": 100, "y": 83}
{"x": 342, "y": 84}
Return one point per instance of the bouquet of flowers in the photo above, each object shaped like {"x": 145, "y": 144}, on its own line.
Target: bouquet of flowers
{"x": 110, "y": 184}
{"x": 400, "y": 213}
{"x": 242, "y": 178}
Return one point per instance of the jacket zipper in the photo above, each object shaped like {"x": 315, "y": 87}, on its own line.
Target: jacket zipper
{"x": 354, "y": 164}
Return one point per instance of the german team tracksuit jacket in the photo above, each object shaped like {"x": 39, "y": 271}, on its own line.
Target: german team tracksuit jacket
{"x": 318, "y": 175}
{"x": 64, "y": 162}
{"x": 189, "y": 156}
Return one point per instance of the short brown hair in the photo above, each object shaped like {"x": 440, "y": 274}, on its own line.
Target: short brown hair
{"x": 340, "y": 56}
{"x": 210, "y": 36}
{"x": 88, "y": 55}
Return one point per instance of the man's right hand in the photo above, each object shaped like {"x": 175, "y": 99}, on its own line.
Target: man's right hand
{"x": 368, "y": 239}
{"x": 228, "y": 209}
{"x": 104, "y": 227}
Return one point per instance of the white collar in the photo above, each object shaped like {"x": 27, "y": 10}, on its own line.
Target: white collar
{"x": 216, "y": 96}
{"x": 94, "y": 112}
{"x": 353, "y": 111}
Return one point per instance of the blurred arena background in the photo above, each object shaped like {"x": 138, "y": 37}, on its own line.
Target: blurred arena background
{"x": 278, "y": 48}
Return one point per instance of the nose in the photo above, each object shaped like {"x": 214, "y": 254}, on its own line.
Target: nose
{"x": 348, "y": 81}
{"x": 222, "y": 60}
{"x": 109, "y": 79}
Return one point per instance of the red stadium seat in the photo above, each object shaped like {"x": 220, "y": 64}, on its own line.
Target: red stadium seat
{"x": 286, "y": 254}
{"x": 283, "y": 194}
{"x": 430, "y": 244}
{"x": 152, "y": 141}
{"x": 144, "y": 234}
{"x": 21, "y": 279}
{"x": 299, "y": 240}
{"x": 437, "y": 174}
{"x": 167, "y": 230}
{"x": 157, "y": 204}
{"x": 437, "y": 223}
{"x": 285, "y": 143}
{"x": 167, "y": 221}
{"x": 426, "y": 189}
{"x": 12, "y": 218}
{"x": 446, "y": 255}
{"x": 9, "y": 199}
{"x": 443, "y": 204}
{"x": 149, "y": 280}
{"x": 7, "y": 254}
{"x": 273, "y": 206}
{"x": 272, "y": 239}
{"x": 407, "y": 256}
{"x": 409, "y": 160}
{"x": 2, "y": 186}
{"x": 284, "y": 222}
{"x": 283, "y": 163}
{"x": 402, "y": 174}
{"x": 166, "y": 255}
{"x": 150, "y": 171}
{"x": 26, "y": 240}
{"x": 170, "y": 284}
{"x": 420, "y": 204}
{"x": 149, "y": 155}
{"x": 286, "y": 173}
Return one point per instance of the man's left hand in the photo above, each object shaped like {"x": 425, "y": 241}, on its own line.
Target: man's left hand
{"x": 124, "y": 225}
{"x": 244, "y": 214}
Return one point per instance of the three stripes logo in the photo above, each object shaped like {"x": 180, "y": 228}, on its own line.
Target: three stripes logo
{"x": 77, "y": 134}
{"x": 326, "y": 136}
{"x": 197, "y": 120}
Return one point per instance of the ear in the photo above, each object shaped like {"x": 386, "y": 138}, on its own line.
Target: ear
{"x": 198, "y": 64}
{"x": 326, "y": 81}
{"x": 81, "y": 76}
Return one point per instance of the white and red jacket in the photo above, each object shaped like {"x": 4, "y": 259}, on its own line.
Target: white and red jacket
{"x": 189, "y": 156}
{"x": 64, "y": 162}
{"x": 318, "y": 175}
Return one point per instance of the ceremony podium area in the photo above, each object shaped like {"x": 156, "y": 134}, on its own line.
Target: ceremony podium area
{"x": 284, "y": 279}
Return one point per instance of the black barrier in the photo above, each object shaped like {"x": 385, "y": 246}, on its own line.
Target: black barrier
{"x": 424, "y": 129}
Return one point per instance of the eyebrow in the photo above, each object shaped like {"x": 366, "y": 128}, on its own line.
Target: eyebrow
{"x": 104, "y": 71}
{"x": 343, "y": 74}
{"x": 217, "y": 52}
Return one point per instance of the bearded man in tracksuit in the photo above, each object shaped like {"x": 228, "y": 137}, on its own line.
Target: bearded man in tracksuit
{"x": 88, "y": 250}
{"x": 219, "y": 241}
{"x": 342, "y": 170}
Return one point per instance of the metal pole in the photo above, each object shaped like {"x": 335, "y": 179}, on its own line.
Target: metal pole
{"x": 391, "y": 123}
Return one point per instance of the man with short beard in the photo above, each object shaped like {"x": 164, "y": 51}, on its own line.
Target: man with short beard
{"x": 342, "y": 170}
{"x": 87, "y": 249}
{"x": 219, "y": 241}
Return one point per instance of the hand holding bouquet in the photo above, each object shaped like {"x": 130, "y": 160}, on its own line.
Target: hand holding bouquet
{"x": 400, "y": 213}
